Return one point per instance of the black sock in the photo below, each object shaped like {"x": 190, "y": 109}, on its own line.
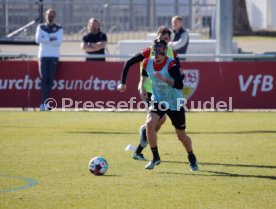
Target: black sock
{"x": 139, "y": 149}
{"x": 155, "y": 153}
{"x": 190, "y": 153}
{"x": 192, "y": 157}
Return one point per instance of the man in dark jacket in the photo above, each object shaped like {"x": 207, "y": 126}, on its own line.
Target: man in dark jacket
{"x": 180, "y": 40}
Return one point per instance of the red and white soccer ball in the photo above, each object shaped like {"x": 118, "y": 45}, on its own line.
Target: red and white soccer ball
{"x": 98, "y": 166}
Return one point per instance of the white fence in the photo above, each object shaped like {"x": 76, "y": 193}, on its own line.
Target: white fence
{"x": 120, "y": 19}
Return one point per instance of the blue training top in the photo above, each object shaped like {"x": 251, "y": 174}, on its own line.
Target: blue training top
{"x": 163, "y": 93}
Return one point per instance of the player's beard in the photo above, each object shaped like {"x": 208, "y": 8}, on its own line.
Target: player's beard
{"x": 158, "y": 59}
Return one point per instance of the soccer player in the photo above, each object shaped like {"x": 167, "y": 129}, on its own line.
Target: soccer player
{"x": 163, "y": 33}
{"x": 167, "y": 98}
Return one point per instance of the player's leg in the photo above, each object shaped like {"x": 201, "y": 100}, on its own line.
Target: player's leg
{"x": 143, "y": 141}
{"x": 179, "y": 122}
{"x": 187, "y": 143}
{"x": 161, "y": 121}
{"x": 152, "y": 123}
{"x": 137, "y": 155}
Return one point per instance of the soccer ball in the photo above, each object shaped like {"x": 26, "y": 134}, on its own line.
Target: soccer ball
{"x": 98, "y": 166}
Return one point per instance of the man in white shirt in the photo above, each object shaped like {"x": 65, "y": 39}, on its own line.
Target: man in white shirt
{"x": 49, "y": 36}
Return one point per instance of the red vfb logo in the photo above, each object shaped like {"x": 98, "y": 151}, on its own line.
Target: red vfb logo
{"x": 261, "y": 83}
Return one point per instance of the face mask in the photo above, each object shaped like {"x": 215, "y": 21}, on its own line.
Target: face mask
{"x": 159, "y": 49}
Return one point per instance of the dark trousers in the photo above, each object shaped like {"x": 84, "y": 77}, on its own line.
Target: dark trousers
{"x": 47, "y": 72}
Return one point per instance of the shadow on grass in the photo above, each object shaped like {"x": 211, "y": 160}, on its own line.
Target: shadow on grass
{"x": 223, "y": 174}
{"x": 101, "y": 132}
{"x": 172, "y": 132}
{"x": 220, "y": 174}
{"x": 227, "y": 164}
{"x": 234, "y": 132}
{"x": 109, "y": 175}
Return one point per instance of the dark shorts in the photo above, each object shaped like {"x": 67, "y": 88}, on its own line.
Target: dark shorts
{"x": 177, "y": 117}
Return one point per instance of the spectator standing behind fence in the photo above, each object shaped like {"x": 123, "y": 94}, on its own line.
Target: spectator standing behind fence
{"x": 94, "y": 42}
{"x": 180, "y": 40}
{"x": 49, "y": 36}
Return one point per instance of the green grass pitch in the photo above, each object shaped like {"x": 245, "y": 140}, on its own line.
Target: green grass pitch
{"x": 44, "y": 158}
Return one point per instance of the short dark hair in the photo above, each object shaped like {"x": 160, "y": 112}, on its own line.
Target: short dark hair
{"x": 160, "y": 41}
{"x": 164, "y": 30}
